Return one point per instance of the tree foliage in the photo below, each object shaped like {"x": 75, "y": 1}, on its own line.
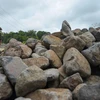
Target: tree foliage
{"x": 22, "y": 35}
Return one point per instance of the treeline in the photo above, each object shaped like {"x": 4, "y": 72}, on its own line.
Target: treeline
{"x": 22, "y": 35}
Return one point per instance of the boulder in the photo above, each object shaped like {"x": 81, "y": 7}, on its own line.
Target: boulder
{"x": 39, "y": 49}
{"x": 71, "y": 82}
{"x": 59, "y": 35}
{"x": 31, "y": 79}
{"x": 5, "y": 88}
{"x": 88, "y": 38}
{"x": 93, "y": 54}
{"x": 22, "y": 98}
{"x": 12, "y": 66}
{"x": 93, "y": 79}
{"x": 58, "y": 49}
{"x": 51, "y": 40}
{"x": 52, "y": 77}
{"x": 51, "y": 94}
{"x": 26, "y": 51}
{"x": 66, "y": 29}
{"x": 74, "y": 61}
{"x": 77, "y": 32}
{"x": 73, "y": 41}
{"x": 87, "y": 92}
{"x": 84, "y": 30}
{"x": 34, "y": 55}
{"x": 41, "y": 62}
{"x": 31, "y": 42}
{"x": 53, "y": 58}
{"x": 16, "y": 48}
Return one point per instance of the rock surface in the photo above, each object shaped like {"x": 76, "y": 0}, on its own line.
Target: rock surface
{"x": 41, "y": 62}
{"x": 73, "y": 41}
{"x": 87, "y": 92}
{"x": 74, "y": 61}
{"x": 5, "y": 88}
{"x": 51, "y": 94}
{"x": 30, "y": 79}
{"x": 12, "y": 66}
{"x": 22, "y": 98}
{"x": 54, "y": 59}
{"x": 71, "y": 82}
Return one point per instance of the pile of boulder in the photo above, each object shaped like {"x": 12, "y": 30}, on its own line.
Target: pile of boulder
{"x": 63, "y": 65}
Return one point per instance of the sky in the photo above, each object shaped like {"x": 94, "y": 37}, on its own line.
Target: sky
{"x": 48, "y": 15}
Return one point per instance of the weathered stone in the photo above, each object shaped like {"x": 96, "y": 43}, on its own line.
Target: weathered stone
{"x": 59, "y": 35}
{"x": 16, "y": 48}
{"x": 34, "y": 55}
{"x": 74, "y": 61}
{"x": 87, "y": 92}
{"x": 54, "y": 59}
{"x": 62, "y": 72}
{"x": 77, "y": 32}
{"x": 52, "y": 74}
{"x": 22, "y": 98}
{"x": 93, "y": 79}
{"x": 51, "y": 94}
{"x": 51, "y": 40}
{"x": 39, "y": 49}
{"x": 12, "y": 66}
{"x": 73, "y": 41}
{"x": 93, "y": 54}
{"x": 66, "y": 29}
{"x": 31, "y": 79}
{"x": 26, "y": 51}
{"x": 52, "y": 77}
{"x": 58, "y": 49}
{"x": 31, "y": 42}
{"x": 41, "y": 62}
{"x": 71, "y": 82}
{"x": 84, "y": 30}
{"x": 5, "y": 88}
{"x": 88, "y": 38}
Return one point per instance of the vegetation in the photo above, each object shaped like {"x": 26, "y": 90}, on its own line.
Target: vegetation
{"x": 22, "y": 35}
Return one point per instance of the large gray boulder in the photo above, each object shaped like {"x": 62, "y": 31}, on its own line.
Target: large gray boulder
{"x": 58, "y": 49}
{"x": 31, "y": 42}
{"x": 71, "y": 82}
{"x": 51, "y": 94}
{"x": 16, "y": 48}
{"x": 30, "y": 79}
{"x": 12, "y": 66}
{"x": 5, "y": 88}
{"x": 51, "y": 40}
{"x": 88, "y": 38}
{"x": 66, "y": 29}
{"x": 41, "y": 62}
{"x": 93, "y": 54}
{"x": 87, "y": 92}
{"x": 73, "y": 41}
{"x": 22, "y": 98}
{"x": 40, "y": 49}
{"x": 74, "y": 61}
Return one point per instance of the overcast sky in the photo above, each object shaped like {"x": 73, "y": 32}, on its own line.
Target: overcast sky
{"x": 47, "y": 15}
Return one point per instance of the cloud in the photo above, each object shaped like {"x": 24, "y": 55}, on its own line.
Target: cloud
{"x": 47, "y": 15}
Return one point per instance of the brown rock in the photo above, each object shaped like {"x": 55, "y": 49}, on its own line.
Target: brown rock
{"x": 5, "y": 88}
{"x": 73, "y": 41}
{"x": 71, "y": 82}
{"x": 51, "y": 40}
{"x": 41, "y": 62}
{"x": 74, "y": 61}
{"x": 51, "y": 94}
{"x": 31, "y": 79}
{"x": 12, "y": 66}
{"x": 54, "y": 59}
{"x": 58, "y": 49}
{"x": 59, "y": 35}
